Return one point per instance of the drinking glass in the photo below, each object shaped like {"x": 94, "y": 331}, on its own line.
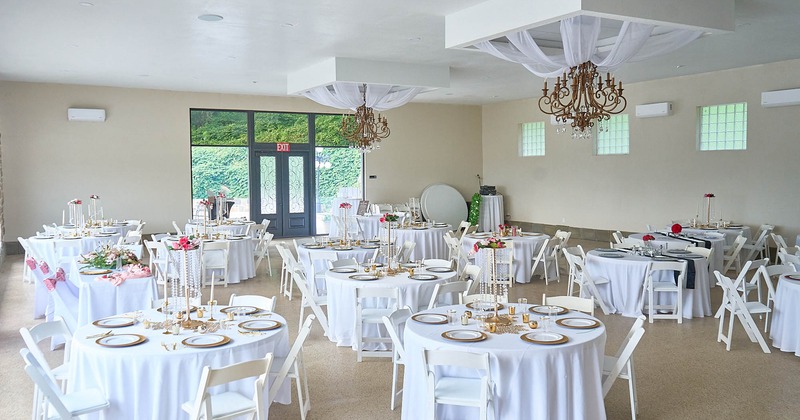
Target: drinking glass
{"x": 544, "y": 322}
{"x": 451, "y": 317}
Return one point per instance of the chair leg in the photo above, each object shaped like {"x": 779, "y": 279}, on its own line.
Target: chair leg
{"x": 269, "y": 264}
{"x": 679, "y": 306}
{"x": 394, "y": 384}
{"x": 730, "y": 332}
{"x": 632, "y": 384}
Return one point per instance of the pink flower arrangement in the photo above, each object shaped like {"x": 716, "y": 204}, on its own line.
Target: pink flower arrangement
{"x": 345, "y": 205}
{"x": 185, "y": 243}
{"x": 648, "y": 237}
{"x": 205, "y": 203}
{"x": 504, "y": 226}
{"x": 488, "y": 243}
{"x": 74, "y": 201}
{"x": 94, "y": 196}
{"x": 388, "y": 217}
{"x": 677, "y": 228}
{"x": 709, "y": 195}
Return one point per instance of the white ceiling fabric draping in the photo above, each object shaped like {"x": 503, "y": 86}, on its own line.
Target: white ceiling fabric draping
{"x": 347, "y": 95}
{"x": 579, "y": 36}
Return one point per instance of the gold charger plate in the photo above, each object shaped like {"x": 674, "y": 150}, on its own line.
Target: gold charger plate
{"x": 465, "y": 336}
{"x": 206, "y": 340}
{"x": 121, "y": 340}
{"x": 435, "y": 319}
{"x": 423, "y": 277}
{"x": 578, "y": 323}
{"x": 309, "y": 246}
{"x": 94, "y": 272}
{"x": 343, "y": 270}
{"x": 439, "y": 269}
{"x": 114, "y": 322}
{"x": 471, "y": 305}
{"x": 364, "y": 277}
{"x": 542, "y": 309}
{"x": 260, "y": 325}
{"x": 247, "y": 310}
{"x": 541, "y": 337}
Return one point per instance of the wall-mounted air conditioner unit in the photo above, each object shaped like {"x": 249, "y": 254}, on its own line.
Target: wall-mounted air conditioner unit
{"x": 85, "y": 114}
{"x": 661, "y": 109}
{"x": 780, "y": 98}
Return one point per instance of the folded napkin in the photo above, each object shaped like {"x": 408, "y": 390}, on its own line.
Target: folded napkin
{"x": 130, "y": 271}
{"x": 690, "y": 271}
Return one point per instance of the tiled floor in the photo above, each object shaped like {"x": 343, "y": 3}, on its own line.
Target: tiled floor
{"x": 682, "y": 372}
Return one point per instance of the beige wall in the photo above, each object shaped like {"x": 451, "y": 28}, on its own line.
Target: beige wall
{"x": 138, "y": 161}
{"x": 664, "y": 176}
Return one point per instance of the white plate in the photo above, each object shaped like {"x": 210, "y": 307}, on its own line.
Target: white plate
{"x": 464, "y": 335}
{"x": 205, "y": 340}
{"x": 610, "y": 255}
{"x": 578, "y": 323}
{"x": 430, "y": 318}
{"x": 114, "y": 322}
{"x": 260, "y": 325}
{"x": 678, "y": 251}
{"x": 343, "y": 270}
{"x": 541, "y": 337}
{"x": 120, "y": 340}
{"x": 423, "y": 277}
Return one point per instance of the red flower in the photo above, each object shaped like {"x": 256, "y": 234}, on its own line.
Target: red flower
{"x": 648, "y": 237}
{"x": 709, "y": 195}
{"x": 677, "y": 228}
{"x": 475, "y": 247}
{"x": 383, "y": 220}
{"x": 345, "y": 205}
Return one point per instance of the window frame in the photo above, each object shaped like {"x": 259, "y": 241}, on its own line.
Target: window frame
{"x": 538, "y": 137}
{"x": 721, "y": 144}
{"x": 615, "y": 124}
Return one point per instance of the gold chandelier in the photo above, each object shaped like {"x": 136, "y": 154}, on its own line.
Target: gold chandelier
{"x": 363, "y": 130}
{"x": 582, "y": 96}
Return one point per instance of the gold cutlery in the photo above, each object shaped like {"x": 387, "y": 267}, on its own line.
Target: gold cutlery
{"x": 105, "y": 334}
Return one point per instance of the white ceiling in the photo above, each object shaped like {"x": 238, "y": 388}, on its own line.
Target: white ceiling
{"x": 161, "y": 44}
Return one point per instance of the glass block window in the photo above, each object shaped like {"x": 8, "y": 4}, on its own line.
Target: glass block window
{"x": 531, "y": 139}
{"x": 614, "y": 137}
{"x": 722, "y": 127}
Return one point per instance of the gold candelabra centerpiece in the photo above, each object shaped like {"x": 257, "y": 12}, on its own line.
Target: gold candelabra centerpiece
{"x": 580, "y": 97}
{"x": 363, "y": 130}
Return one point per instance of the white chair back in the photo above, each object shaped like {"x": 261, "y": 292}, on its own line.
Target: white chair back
{"x": 393, "y": 325}
{"x": 456, "y": 289}
{"x": 292, "y": 362}
{"x": 203, "y": 405}
{"x": 571, "y": 302}
{"x": 624, "y": 353}
{"x": 261, "y": 302}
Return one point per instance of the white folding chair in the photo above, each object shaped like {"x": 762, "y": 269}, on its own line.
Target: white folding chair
{"x": 655, "y": 284}
{"x": 545, "y": 258}
{"x": 586, "y": 283}
{"x": 767, "y": 273}
{"x": 462, "y": 229}
{"x": 404, "y": 254}
{"x": 731, "y": 256}
{"x": 457, "y": 289}
{"x": 32, "y": 337}
{"x": 792, "y": 260}
{"x": 471, "y": 272}
{"x": 261, "y": 250}
{"x": 27, "y": 277}
{"x": 569, "y": 254}
{"x": 759, "y": 245}
{"x": 230, "y": 404}
{"x": 292, "y": 367}
{"x": 288, "y": 262}
{"x": 214, "y": 256}
{"x": 621, "y": 364}
{"x": 66, "y": 406}
{"x": 617, "y": 236}
{"x": 733, "y": 303}
{"x": 373, "y": 314}
{"x": 177, "y": 229}
{"x": 456, "y": 390}
{"x": 261, "y": 302}
{"x": 393, "y": 325}
{"x": 310, "y": 301}
{"x": 779, "y": 243}
{"x": 563, "y": 236}
{"x": 571, "y": 302}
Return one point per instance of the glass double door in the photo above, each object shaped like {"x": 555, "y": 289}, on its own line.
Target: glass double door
{"x": 282, "y": 191}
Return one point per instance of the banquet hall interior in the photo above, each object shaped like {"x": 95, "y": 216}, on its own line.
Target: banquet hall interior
{"x": 331, "y": 149}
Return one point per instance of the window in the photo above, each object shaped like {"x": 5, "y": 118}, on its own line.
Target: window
{"x": 615, "y": 138}
{"x": 531, "y": 139}
{"x": 723, "y": 127}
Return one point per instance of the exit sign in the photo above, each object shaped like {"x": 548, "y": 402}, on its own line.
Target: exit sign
{"x": 283, "y": 147}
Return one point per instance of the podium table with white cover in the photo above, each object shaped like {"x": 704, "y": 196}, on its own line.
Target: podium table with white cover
{"x": 526, "y": 248}
{"x": 670, "y": 242}
{"x": 785, "y": 328}
{"x": 342, "y": 300}
{"x": 491, "y": 213}
{"x": 146, "y": 381}
{"x": 429, "y": 241}
{"x": 532, "y": 381}
{"x": 626, "y": 275}
{"x": 98, "y": 298}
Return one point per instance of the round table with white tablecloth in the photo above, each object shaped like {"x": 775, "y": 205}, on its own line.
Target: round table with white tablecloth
{"x": 241, "y": 264}
{"x": 715, "y": 239}
{"x": 46, "y": 246}
{"x": 342, "y": 300}
{"x": 785, "y": 328}
{"x": 730, "y": 232}
{"x": 532, "y": 381}
{"x": 626, "y": 275}
{"x": 429, "y": 241}
{"x": 526, "y": 248}
{"x": 147, "y": 381}
{"x": 99, "y": 298}
{"x": 308, "y": 253}
{"x": 234, "y": 228}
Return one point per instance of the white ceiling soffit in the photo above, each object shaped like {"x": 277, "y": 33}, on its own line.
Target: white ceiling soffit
{"x": 496, "y": 18}
{"x": 340, "y": 69}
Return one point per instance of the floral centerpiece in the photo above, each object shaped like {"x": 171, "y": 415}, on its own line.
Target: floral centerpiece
{"x": 488, "y": 243}
{"x": 344, "y": 207}
{"x": 108, "y": 257}
{"x": 389, "y": 217}
{"x": 186, "y": 243}
{"x": 708, "y": 197}
{"x": 505, "y": 229}
{"x": 647, "y": 238}
{"x": 490, "y": 246}
{"x": 676, "y": 228}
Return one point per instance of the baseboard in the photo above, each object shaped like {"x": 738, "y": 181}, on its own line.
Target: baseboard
{"x": 12, "y": 248}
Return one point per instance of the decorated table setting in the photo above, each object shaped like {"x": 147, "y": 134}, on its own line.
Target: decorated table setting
{"x": 428, "y": 236}
{"x": 149, "y": 363}
{"x": 627, "y": 270}
{"x": 228, "y": 227}
{"x": 414, "y": 281}
{"x": 80, "y": 241}
{"x": 676, "y": 237}
{"x": 785, "y": 320}
{"x": 526, "y": 246}
{"x": 111, "y": 281}
{"x": 546, "y": 361}
{"x": 241, "y": 265}
{"x": 361, "y": 251}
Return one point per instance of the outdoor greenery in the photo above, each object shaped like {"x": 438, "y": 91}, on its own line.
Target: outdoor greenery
{"x": 218, "y": 128}
{"x": 213, "y": 167}
{"x": 276, "y": 127}
{"x": 345, "y": 171}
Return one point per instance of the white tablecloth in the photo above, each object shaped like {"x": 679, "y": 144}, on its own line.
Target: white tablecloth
{"x": 430, "y": 241}
{"x": 99, "y": 299}
{"x": 525, "y": 249}
{"x": 45, "y": 247}
{"x": 532, "y": 381}
{"x": 306, "y": 255}
{"x": 785, "y": 328}
{"x": 717, "y": 245}
{"x": 236, "y": 228}
{"x": 730, "y": 233}
{"x": 491, "y": 215}
{"x": 342, "y": 301}
{"x": 241, "y": 263}
{"x": 147, "y": 382}
{"x": 623, "y": 293}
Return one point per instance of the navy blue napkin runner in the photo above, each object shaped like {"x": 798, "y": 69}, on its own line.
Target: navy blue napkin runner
{"x": 690, "y": 271}
{"x": 696, "y": 241}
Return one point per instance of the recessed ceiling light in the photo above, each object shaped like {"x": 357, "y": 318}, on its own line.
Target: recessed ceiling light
{"x": 679, "y": 66}
{"x": 415, "y": 39}
{"x": 86, "y": 4}
{"x": 210, "y": 18}
{"x": 288, "y": 25}
{"x": 255, "y": 81}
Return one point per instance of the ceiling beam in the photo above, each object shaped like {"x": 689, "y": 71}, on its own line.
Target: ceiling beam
{"x": 495, "y": 18}
{"x": 340, "y": 69}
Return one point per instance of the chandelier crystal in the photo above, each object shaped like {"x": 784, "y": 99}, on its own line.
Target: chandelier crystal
{"x": 363, "y": 130}
{"x": 580, "y": 97}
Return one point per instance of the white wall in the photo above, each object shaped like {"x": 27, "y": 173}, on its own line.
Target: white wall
{"x": 138, "y": 161}
{"x": 664, "y": 177}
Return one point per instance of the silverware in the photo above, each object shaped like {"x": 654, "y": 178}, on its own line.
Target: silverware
{"x": 165, "y": 346}
{"x": 107, "y": 333}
